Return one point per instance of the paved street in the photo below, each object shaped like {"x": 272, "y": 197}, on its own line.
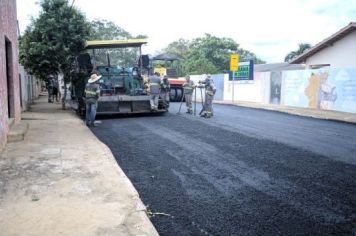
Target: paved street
{"x": 243, "y": 172}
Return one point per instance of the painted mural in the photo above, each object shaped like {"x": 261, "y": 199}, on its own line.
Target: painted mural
{"x": 341, "y": 90}
{"x": 275, "y": 87}
{"x": 325, "y": 89}
{"x": 294, "y": 84}
{"x": 319, "y": 92}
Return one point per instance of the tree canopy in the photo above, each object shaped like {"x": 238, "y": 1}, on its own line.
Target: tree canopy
{"x": 208, "y": 54}
{"x": 107, "y": 30}
{"x": 302, "y": 47}
{"x": 54, "y": 39}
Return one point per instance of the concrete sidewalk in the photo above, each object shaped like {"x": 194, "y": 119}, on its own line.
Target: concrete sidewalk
{"x": 307, "y": 112}
{"x": 61, "y": 180}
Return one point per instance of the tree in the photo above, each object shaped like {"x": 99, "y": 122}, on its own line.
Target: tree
{"x": 302, "y": 47}
{"x": 178, "y": 49}
{"x": 52, "y": 41}
{"x": 108, "y": 30}
{"x": 213, "y": 52}
{"x": 208, "y": 54}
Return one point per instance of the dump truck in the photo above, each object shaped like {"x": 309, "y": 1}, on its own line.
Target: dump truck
{"x": 124, "y": 71}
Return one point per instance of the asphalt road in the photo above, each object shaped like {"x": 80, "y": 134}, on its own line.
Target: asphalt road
{"x": 242, "y": 172}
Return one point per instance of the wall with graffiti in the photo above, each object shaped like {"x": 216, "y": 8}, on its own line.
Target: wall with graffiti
{"x": 294, "y": 84}
{"x": 326, "y": 89}
{"x": 275, "y": 88}
{"x": 338, "y": 91}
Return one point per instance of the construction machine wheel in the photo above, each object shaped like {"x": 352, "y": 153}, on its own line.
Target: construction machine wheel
{"x": 172, "y": 94}
{"x": 179, "y": 94}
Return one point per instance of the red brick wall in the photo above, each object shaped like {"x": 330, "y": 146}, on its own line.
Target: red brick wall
{"x": 8, "y": 31}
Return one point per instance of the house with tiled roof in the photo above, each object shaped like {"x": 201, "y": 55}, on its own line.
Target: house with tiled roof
{"x": 336, "y": 51}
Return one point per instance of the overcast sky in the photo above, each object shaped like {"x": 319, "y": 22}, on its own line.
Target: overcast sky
{"x": 270, "y": 29}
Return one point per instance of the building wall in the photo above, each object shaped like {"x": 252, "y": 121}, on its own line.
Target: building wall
{"x": 219, "y": 82}
{"x": 256, "y": 90}
{"x": 8, "y": 33}
{"x": 199, "y": 93}
{"x": 325, "y": 88}
{"x": 30, "y": 88}
{"x": 25, "y": 98}
{"x": 341, "y": 54}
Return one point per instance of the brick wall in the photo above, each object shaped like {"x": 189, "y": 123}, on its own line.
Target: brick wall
{"x": 9, "y": 92}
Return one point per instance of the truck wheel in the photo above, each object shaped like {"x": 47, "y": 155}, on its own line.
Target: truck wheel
{"x": 179, "y": 94}
{"x": 172, "y": 94}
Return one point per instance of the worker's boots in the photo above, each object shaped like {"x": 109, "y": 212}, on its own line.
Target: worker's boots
{"x": 208, "y": 115}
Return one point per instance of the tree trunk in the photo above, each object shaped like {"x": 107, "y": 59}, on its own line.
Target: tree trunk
{"x": 64, "y": 96}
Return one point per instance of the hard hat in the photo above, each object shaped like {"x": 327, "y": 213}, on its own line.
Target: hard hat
{"x": 93, "y": 78}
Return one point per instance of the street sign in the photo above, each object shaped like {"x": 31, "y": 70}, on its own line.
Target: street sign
{"x": 234, "y": 62}
{"x": 244, "y": 72}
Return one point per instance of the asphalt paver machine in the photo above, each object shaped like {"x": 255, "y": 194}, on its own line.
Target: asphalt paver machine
{"x": 123, "y": 71}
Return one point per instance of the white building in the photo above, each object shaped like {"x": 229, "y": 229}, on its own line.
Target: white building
{"x": 336, "y": 51}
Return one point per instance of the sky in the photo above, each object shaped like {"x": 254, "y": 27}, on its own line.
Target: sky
{"x": 270, "y": 29}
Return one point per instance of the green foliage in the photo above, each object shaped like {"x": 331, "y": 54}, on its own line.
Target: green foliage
{"x": 54, "y": 39}
{"x": 179, "y": 48}
{"x": 208, "y": 54}
{"x": 199, "y": 65}
{"x": 214, "y": 50}
{"x": 302, "y": 47}
{"x": 108, "y": 30}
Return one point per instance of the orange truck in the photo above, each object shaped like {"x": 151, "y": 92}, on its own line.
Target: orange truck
{"x": 165, "y": 60}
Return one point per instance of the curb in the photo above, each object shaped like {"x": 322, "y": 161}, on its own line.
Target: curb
{"x": 145, "y": 226}
{"x": 291, "y": 111}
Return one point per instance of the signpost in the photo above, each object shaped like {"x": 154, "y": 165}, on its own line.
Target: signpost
{"x": 234, "y": 62}
{"x": 244, "y": 71}
{"x": 234, "y": 66}
{"x": 239, "y": 71}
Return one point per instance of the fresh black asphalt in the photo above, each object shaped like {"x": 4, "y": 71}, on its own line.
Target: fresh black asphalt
{"x": 242, "y": 172}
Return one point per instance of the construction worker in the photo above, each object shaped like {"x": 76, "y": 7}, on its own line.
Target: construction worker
{"x": 165, "y": 89}
{"x": 92, "y": 93}
{"x": 210, "y": 91}
{"x": 55, "y": 90}
{"x": 188, "y": 88}
{"x": 146, "y": 84}
{"x": 155, "y": 90}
